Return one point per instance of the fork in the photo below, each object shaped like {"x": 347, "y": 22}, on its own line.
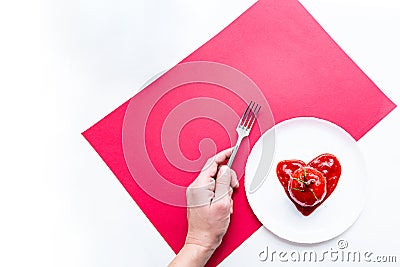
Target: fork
{"x": 244, "y": 127}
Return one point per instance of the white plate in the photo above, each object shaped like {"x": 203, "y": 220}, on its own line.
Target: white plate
{"x": 305, "y": 138}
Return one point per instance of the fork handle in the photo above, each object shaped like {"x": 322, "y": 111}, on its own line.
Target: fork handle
{"x": 235, "y": 150}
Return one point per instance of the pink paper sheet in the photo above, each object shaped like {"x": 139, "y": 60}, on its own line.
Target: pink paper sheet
{"x": 301, "y": 72}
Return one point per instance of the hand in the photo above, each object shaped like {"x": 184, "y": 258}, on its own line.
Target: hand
{"x": 210, "y": 205}
{"x": 209, "y": 202}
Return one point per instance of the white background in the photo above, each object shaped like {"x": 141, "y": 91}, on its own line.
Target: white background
{"x": 66, "y": 64}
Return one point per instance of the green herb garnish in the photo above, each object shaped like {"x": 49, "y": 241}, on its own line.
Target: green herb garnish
{"x": 312, "y": 191}
{"x": 300, "y": 181}
{"x": 298, "y": 189}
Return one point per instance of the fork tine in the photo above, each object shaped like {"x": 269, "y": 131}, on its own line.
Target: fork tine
{"x": 255, "y": 117}
{"x": 251, "y": 117}
{"x": 243, "y": 115}
{"x": 248, "y": 115}
{"x": 243, "y": 129}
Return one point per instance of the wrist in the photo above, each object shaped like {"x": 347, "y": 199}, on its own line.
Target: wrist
{"x": 203, "y": 240}
{"x": 192, "y": 255}
{"x": 198, "y": 252}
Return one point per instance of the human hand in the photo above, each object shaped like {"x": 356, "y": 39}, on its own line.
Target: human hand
{"x": 209, "y": 206}
{"x": 210, "y": 202}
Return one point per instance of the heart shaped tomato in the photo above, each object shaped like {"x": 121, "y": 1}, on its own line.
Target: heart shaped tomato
{"x": 309, "y": 185}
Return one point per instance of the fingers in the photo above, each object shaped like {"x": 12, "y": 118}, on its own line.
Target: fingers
{"x": 200, "y": 194}
{"x": 219, "y": 159}
{"x": 223, "y": 155}
{"x": 205, "y": 188}
{"x": 223, "y": 182}
{"x": 234, "y": 179}
{"x": 211, "y": 167}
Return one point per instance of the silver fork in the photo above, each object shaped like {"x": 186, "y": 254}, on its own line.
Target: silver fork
{"x": 244, "y": 127}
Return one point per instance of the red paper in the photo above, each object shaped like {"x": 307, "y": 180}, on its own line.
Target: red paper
{"x": 299, "y": 69}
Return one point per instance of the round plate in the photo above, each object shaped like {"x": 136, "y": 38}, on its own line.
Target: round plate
{"x": 305, "y": 138}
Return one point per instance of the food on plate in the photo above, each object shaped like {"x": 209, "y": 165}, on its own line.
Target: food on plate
{"x": 309, "y": 185}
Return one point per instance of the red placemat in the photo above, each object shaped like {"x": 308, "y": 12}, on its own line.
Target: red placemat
{"x": 301, "y": 72}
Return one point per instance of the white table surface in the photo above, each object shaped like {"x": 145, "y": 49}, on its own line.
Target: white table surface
{"x": 66, "y": 64}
